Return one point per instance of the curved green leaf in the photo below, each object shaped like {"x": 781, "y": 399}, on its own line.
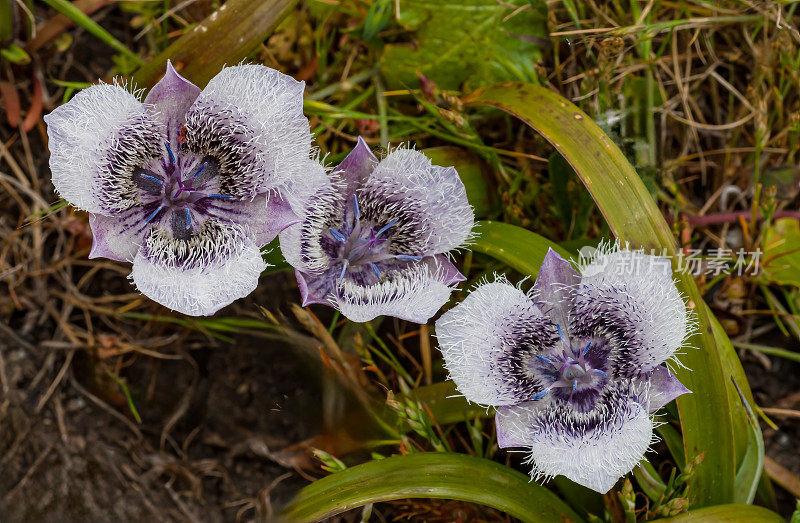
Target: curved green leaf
{"x": 519, "y": 248}
{"x": 727, "y": 514}
{"x": 438, "y": 475}
{"x": 710, "y": 423}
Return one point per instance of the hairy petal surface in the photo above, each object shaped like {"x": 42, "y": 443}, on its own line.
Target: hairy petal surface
{"x": 96, "y": 140}
{"x": 593, "y": 449}
{"x": 429, "y": 202}
{"x": 200, "y": 275}
{"x": 632, "y": 296}
{"x": 513, "y": 422}
{"x": 250, "y": 118}
{"x": 414, "y": 294}
{"x": 316, "y": 199}
{"x": 486, "y": 341}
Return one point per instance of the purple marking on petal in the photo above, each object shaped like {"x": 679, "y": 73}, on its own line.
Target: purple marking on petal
{"x": 554, "y": 287}
{"x": 307, "y": 284}
{"x": 357, "y": 166}
{"x": 279, "y": 216}
{"x": 451, "y": 273}
{"x": 172, "y": 96}
{"x": 115, "y": 238}
{"x": 664, "y": 387}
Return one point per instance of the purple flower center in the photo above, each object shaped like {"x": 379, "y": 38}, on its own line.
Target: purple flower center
{"x": 363, "y": 246}
{"x": 178, "y": 188}
{"x": 571, "y": 372}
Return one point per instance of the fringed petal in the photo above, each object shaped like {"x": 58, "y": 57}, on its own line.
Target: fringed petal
{"x": 250, "y": 118}
{"x": 198, "y": 276}
{"x": 592, "y": 449}
{"x": 413, "y": 294}
{"x": 487, "y": 341}
{"x": 318, "y": 202}
{"x": 96, "y": 141}
{"x": 631, "y": 297}
{"x": 428, "y": 203}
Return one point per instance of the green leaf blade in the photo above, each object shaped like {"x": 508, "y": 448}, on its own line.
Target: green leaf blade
{"x": 438, "y": 475}
{"x": 519, "y": 248}
{"x": 731, "y": 513}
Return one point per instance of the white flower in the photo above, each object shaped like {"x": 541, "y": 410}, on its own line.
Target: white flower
{"x": 374, "y": 235}
{"x": 183, "y": 185}
{"x": 574, "y": 368}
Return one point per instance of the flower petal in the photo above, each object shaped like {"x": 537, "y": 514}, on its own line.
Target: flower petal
{"x": 554, "y": 289}
{"x": 429, "y": 202}
{"x": 414, "y": 294}
{"x": 317, "y": 201}
{"x": 357, "y": 166}
{"x": 592, "y": 449}
{"x": 96, "y": 140}
{"x": 198, "y": 276}
{"x": 664, "y": 387}
{"x": 315, "y": 288}
{"x": 171, "y": 97}
{"x": 451, "y": 273}
{"x": 632, "y": 297}
{"x": 250, "y": 118}
{"x": 513, "y": 423}
{"x": 486, "y": 339}
{"x": 262, "y": 219}
{"x": 117, "y": 238}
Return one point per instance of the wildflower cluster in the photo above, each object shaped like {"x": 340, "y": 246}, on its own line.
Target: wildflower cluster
{"x": 190, "y": 184}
